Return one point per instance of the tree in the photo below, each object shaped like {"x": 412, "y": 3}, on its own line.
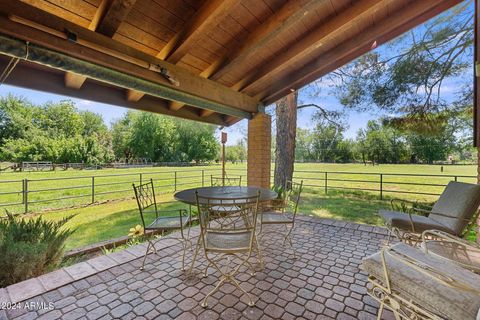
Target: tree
{"x": 286, "y": 117}
{"x": 122, "y": 136}
{"x": 406, "y": 80}
{"x": 153, "y": 137}
{"x": 326, "y": 138}
{"x": 303, "y": 145}
{"x": 196, "y": 142}
{"x": 55, "y": 132}
{"x": 15, "y": 117}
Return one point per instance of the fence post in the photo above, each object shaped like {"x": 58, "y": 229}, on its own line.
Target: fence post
{"x": 141, "y": 178}
{"x": 203, "y": 178}
{"x": 381, "y": 186}
{"x": 326, "y": 182}
{"x": 456, "y": 178}
{"x": 93, "y": 189}
{"x": 25, "y": 194}
{"x": 175, "y": 181}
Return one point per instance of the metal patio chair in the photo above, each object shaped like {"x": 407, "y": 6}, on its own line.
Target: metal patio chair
{"x": 226, "y": 181}
{"x": 441, "y": 244}
{"x": 284, "y": 213}
{"x": 455, "y": 212}
{"x": 161, "y": 220}
{"x": 416, "y": 285}
{"x": 228, "y": 234}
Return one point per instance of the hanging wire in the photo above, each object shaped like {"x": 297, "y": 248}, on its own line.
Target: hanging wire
{"x": 12, "y": 64}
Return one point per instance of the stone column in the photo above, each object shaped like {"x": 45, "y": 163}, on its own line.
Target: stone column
{"x": 259, "y": 150}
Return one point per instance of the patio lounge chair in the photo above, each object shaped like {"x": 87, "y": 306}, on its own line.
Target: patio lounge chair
{"x": 454, "y": 213}
{"x": 416, "y": 285}
{"x": 164, "y": 220}
{"x": 464, "y": 253}
{"x": 283, "y": 214}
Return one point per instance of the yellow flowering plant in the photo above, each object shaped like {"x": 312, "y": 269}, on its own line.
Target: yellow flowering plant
{"x": 136, "y": 232}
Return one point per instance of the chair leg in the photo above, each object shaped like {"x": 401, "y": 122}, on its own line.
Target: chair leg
{"x": 251, "y": 303}
{"x": 380, "y": 310}
{"x": 146, "y": 253}
{"x": 227, "y": 276}
{"x": 288, "y": 238}
{"x": 197, "y": 249}
{"x": 259, "y": 254}
{"x": 219, "y": 284}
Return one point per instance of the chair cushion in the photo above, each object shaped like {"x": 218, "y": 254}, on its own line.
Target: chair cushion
{"x": 458, "y": 253}
{"x": 435, "y": 296}
{"x": 168, "y": 223}
{"x": 401, "y": 220}
{"x": 459, "y": 202}
{"x": 220, "y": 241}
{"x": 275, "y": 217}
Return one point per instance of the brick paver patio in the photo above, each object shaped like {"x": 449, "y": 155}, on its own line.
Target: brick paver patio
{"x": 324, "y": 282}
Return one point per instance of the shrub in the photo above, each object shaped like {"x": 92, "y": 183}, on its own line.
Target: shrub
{"x": 30, "y": 247}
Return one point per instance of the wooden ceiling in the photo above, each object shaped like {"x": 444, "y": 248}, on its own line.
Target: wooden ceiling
{"x": 218, "y": 60}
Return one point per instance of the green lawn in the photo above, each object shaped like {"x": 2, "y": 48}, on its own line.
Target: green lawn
{"x": 113, "y": 219}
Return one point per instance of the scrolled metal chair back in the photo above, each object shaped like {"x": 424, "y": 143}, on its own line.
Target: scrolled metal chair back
{"x": 293, "y": 191}
{"x": 228, "y": 215}
{"x": 226, "y": 181}
{"x": 145, "y": 195}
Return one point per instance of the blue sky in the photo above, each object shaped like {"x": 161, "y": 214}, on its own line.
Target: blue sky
{"x": 236, "y": 132}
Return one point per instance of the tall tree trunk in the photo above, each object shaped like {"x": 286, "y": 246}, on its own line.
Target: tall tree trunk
{"x": 286, "y": 117}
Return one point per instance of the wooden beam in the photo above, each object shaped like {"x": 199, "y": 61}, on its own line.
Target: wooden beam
{"x": 116, "y": 13}
{"x": 175, "y": 106}
{"x": 209, "y": 15}
{"x": 37, "y": 79}
{"x": 101, "y": 50}
{"x": 391, "y": 27}
{"x": 73, "y": 80}
{"x": 292, "y": 12}
{"x": 310, "y": 42}
{"x": 205, "y": 112}
{"x": 134, "y": 95}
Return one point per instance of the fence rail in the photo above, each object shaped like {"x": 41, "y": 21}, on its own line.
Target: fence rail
{"x": 38, "y": 194}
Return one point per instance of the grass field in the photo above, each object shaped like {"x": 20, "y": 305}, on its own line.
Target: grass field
{"x": 113, "y": 219}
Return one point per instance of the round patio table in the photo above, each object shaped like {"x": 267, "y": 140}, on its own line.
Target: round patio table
{"x": 188, "y": 196}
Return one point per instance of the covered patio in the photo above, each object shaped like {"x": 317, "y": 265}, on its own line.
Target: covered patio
{"x": 211, "y": 61}
{"x": 219, "y": 62}
{"x": 324, "y": 282}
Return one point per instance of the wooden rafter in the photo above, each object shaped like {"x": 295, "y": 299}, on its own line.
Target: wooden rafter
{"x": 116, "y": 13}
{"x": 175, "y": 106}
{"x": 206, "y": 113}
{"x": 96, "y": 48}
{"x": 73, "y": 80}
{"x": 134, "y": 95}
{"x": 292, "y": 12}
{"x": 391, "y": 27}
{"x": 207, "y": 17}
{"x": 310, "y": 42}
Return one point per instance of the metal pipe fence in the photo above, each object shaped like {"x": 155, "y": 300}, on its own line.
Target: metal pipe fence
{"x": 38, "y": 194}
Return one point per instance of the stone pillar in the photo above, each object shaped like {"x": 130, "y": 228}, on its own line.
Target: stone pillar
{"x": 259, "y": 150}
